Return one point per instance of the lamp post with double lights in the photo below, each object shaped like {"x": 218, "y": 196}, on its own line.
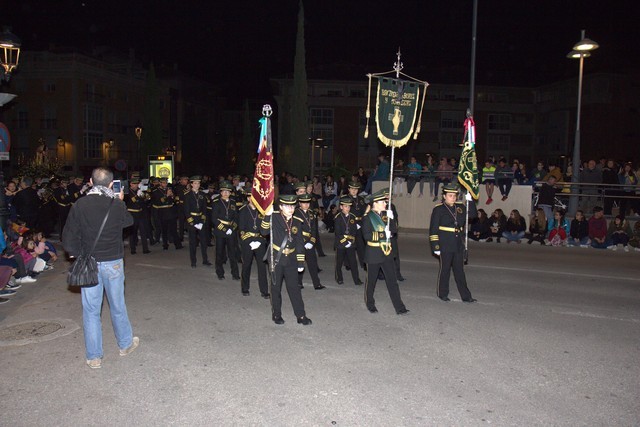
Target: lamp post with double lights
{"x": 9, "y": 59}
{"x": 580, "y": 51}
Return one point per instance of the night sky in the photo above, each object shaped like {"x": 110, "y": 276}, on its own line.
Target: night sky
{"x": 519, "y": 42}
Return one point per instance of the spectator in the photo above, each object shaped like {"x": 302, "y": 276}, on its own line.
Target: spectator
{"x": 414, "y": 168}
{"x": 538, "y": 173}
{"x": 488, "y": 179}
{"x": 497, "y": 225}
{"x": 547, "y": 196}
{"x": 398, "y": 179}
{"x": 504, "y": 178}
{"x": 619, "y": 233}
{"x": 579, "y": 231}
{"x": 362, "y": 177}
{"x": 538, "y": 227}
{"x": 554, "y": 170}
{"x": 330, "y": 218}
{"x": 444, "y": 172}
{"x": 598, "y": 229}
{"x": 330, "y": 191}
{"x": 590, "y": 179}
{"x": 27, "y": 202}
{"x": 634, "y": 241}
{"x": 630, "y": 181}
{"x": 9, "y": 192}
{"x": 381, "y": 172}
{"x": 558, "y": 229}
{"x": 317, "y": 187}
{"x": 519, "y": 172}
{"x": 343, "y": 186}
{"x": 515, "y": 227}
{"x": 428, "y": 174}
{"x": 610, "y": 176}
{"x": 479, "y": 230}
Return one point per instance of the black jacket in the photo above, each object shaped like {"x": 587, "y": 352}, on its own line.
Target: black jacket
{"x": 84, "y": 222}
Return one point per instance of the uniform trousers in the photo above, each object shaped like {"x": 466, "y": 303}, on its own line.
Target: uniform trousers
{"x": 318, "y": 245}
{"x": 389, "y": 270}
{"x": 350, "y": 256}
{"x": 312, "y": 267}
{"x": 247, "y": 261}
{"x": 360, "y": 245}
{"x": 289, "y": 274}
{"x": 168, "y": 228}
{"x": 196, "y": 235}
{"x": 225, "y": 249}
{"x": 139, "y": 225}
{"x": 455, "y": 261}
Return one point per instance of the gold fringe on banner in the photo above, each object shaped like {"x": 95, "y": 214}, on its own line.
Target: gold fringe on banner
{"x": 368, "y": 114}
{"x": 424, "y": 95}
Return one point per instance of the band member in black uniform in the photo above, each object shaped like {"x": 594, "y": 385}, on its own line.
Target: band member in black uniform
{"x": 224, "y": 218}
{"x": 155, "y": 220}
{"x": 446, "y": 234}
{"x": 359, "y": 209}
{"x": 395, "y": 248}
{"x": 181, "y": 189}
{"x": 162, "y": 201}
{"x": 136, "y": 202}
{"x": 252, "y": 244}
{"x": 377, "y": 229}
{"x": 48, "y": 213}
{"x": 288, "y": 254}
{"x": 315, "y": 208}
{"x": 195, "y": 211}
{"x": 212, "y": 196}
{"x": 345, "y": 241}
{"x": 310, "y": 237}
{"x": 76, "y": 189}
{"x": 64, "y": 200}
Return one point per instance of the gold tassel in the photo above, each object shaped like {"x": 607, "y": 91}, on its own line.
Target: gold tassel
{"x": 368, "y": 113}
{"x": 424, "y": 95}
{"x": 366, "y": 132}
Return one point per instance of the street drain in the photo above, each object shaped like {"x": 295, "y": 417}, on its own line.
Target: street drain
{"x": 36, "y": 331}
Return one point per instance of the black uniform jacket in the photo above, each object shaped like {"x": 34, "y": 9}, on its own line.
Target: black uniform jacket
{"x": 378, "y": 249}
{"x": 224, "y": 216}
{"x": 249, "y": 223}
{"x": 292, "y": 251}
{"x": 194, "y": 206}
{"x": 345, "y": 229}
{"x": 446, "y": 232}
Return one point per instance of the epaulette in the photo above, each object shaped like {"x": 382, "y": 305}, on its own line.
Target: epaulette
{"x": 298, "y": 218}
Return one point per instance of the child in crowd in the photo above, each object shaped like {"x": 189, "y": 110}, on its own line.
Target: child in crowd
{"x": 558, "y": 229}
{"x": 619, "y": 233}
{"x": 25, "y": 250}
{"x": 479, "y": 230}
{"x": 579, "y": 231}
{"x": 497, "y": 225}
{"x": 598, "y": 229}
{"x": 538, "y": 227}
{"x": 515, "y": 227}
{"x": 44, "y": 248}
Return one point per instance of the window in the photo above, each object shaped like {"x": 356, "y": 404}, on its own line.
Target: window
{"x": 93, "y": 131}
{"x": 334, "y": 93}
{"x": 499, "y": 122}
{"x": 321, "y": 124}
{"x": 23, "y": 120}
{"x": 49, "y": 87}
{"x": 357, "y": 93}
{"x": 49, "y": 119}
{"x": 451, "y": 120}
{"x": 450, "y": 140}
{"x": 498, "y": 142}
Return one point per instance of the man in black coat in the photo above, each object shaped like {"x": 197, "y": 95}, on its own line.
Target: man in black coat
{"x": 136, "y": 202}
{"x": 310, "y": 238}
{"x": 252, "y": 245}
{"x": 224, "y": 218}
{"x": 27, "y": 203}
{"x": 345, "y": 241}
{"x": 194, "y": 205}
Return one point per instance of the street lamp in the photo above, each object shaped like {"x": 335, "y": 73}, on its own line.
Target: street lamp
{"x": 314, "y": 145}
{"x": 138, "y": 132}
{"x": 107, "y": 147}
{"x": 580, "y": 51}
{"x": 10, "y": 53}
{"x": 62, "y": 144}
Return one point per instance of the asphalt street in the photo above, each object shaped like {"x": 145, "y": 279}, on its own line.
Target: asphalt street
{"x": 553, "y": 340}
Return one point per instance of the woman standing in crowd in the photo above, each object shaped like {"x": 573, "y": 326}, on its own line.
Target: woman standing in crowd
{"x": 515, "y": 227}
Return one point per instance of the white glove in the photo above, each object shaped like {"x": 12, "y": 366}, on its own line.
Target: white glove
{"x": 358, "y": 227}
{"x": 300, "y": 269}
{"x": 269, "y": 211}
{"x": 436, "y": 253}
{"x": 387, "y": 233}
{"x": 254, "y": 245}
{"x": 389, "y": 213}
{"x": 348, "y": 245}
{"x": 198, "y": 226}
{"x": 140, "y": 193}
{"x": 229, "y": 231}
{"x": 468, "y": 197}
{"x": 308, "y": 245}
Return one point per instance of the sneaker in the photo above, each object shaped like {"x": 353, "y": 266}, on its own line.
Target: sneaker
{"x": 504, "y": 198}
{"x": 4, "y": 300}
{"x": 134, "y": 344}
{"x": 95, "y": 363}
{"x": 11, "y": 292}
{"x": 13, "y": 285}
{"x": 626, "y": 248}
{"x": 47, "y": 267}
{"x": 489, "y": 200}
{"x": 612, "y": 247}
{"x": 584, "y": 246}
{"x": 636, "y": 249}
{"x": 25, "y": 279}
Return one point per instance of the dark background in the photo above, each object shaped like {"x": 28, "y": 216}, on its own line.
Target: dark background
{"x": 520, "y": 43}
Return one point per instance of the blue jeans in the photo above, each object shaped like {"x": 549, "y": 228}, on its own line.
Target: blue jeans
{"x": 572, "y": 241}
{"x": 111, "y": 281}
{"x": 513, "y": 237}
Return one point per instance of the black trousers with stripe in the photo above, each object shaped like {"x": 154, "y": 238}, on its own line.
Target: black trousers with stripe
{"x": 452, "y": 261}
{"x": 389, "y": 269}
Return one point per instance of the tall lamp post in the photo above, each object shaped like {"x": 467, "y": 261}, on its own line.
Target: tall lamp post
{"x": 9, "y": 58}
{"x": 138, "y": 132}
{"x": 580, "y": 51}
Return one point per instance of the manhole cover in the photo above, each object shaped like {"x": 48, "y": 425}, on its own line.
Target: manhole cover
{"x": 36, "y": 331}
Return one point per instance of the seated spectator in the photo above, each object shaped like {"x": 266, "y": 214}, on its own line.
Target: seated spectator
{"x": 537, "y": 174}
{"x": 598, "y": 229}
{"x": 515, "y": 227}
{"x": 444, "y": 174}
{"x": 488, "y": 179}
{"x": 381, "y": 173}
{"x": 330, "y": 192}
{"x": 519, "y": 172}
{"x": 329, "y": 218}
{"x": 414, "y": 169}
{"x": 555, "y": 171}
{"x": 619, "y": 233}
{"x": 503, "y": 175}
{"x": 497, "y": 224}
{"x": 579, "y": 231}
{"x": 629, "y": 179}
{"x": 428, "y": 174}
{"x": 538, "y": 227}
{"x": 479, "y": 229}
{"x": 44, "y": 249}
{"x": 558, "y": 229}
{"x": 398, "y": 180}
{"x": 634, "y": 241}
{"x": 25, "y": 250}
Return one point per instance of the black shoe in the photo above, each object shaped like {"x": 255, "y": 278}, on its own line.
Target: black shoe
{"x": 210, "y": 245}
{"x": 133, "y": 252}
{"x": 207, "y": 263}
{"x": 319, "y": 287}
{"x": 301, "y": 286}
{"x": 470, "y": 301}
{"x": 347, "y": 268}
{"x": 235, "y": 277}
{"x": 372, "y": 309}
{"x": 403, "y": 312}
{"x": 401, "y": 279}
{"x": 193, "y": 266}
{"x": 245, "y": 293}
{"x": 146, "y": 252}
{"x": 179, "y": 247}
{"x": 322, "y": 255}
{"x": 445, "y": 299}
{"x": 221, "y": 277}
{"x": 278, "y": 320}
{"x": 340, "y": 282}
{"x": 489, "y": 240}
{"x": 319, "y": 270}
{"x": 265, "y": 296}
{"x": 304, "y": 320}
{"x": 165, "y": 248}
{"x": 359, "y": 282}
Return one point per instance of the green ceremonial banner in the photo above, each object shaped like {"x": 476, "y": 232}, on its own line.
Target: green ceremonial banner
{"x": 468, "y": 165}
{"x": 397, "y": 105}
